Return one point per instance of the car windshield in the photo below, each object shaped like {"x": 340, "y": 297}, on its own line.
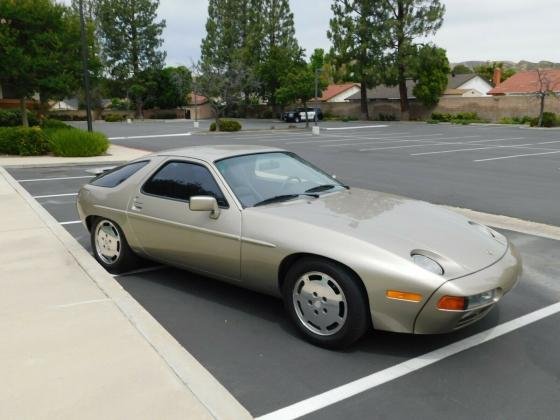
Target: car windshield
{"x": 271, "y": 177}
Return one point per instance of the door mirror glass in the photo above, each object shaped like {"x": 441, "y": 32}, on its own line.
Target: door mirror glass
{"x": 205, "y": 203}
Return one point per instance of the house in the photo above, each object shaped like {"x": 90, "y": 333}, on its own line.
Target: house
{"x": 198, "y": 107}
{"x": 459, "y": 85}
{"x": 528, "y": 83}
{"x": 466, "y": 85}
{"x": 339, "y": 92}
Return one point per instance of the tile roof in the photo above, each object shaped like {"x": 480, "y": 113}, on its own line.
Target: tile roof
{"x": 333, "y": 90}
{"x": 200, "y": 100}
{"x": 527, "y": 82}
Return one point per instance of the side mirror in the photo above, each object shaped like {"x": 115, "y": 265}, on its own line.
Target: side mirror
{"x": 205, "y": 203}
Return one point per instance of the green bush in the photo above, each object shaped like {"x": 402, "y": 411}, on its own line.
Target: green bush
{"x": 66, "y": 117}
{"x": 49, "y": 123}
{"x": 347, "y": 118}
{"x": 164, "y": 116}
{"x": 463, "y": 118}
{"x": 386, "y": 117}
{"x": 114, "y": 117}
{"x": 73, "y": 143}
{"x": 226, "y": 125}
{"x": 23, "y": 141}
{"x": 549, "y": 119}
{"x": 120, "y": 104}
{"x": 12, "y": 118}
{"x": 442, "y": 117}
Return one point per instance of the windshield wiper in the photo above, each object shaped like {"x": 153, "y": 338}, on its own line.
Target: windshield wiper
{"x": 320, "y": 188}
{"x": 283, "y": 197}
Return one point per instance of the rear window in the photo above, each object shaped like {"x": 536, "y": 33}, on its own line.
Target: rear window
{"x": 118, "y": 175}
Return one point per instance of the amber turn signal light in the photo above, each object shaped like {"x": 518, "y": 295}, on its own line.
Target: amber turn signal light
{"x": 452, "y": 303}
{"x": 396, "y": 294}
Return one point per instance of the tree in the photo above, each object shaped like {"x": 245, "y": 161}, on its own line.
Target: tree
{"x": 299, "y": 85}
{"x": 280, "y": 50}
{"x": 259, "y": 35}
{"x": 171, "y": 86}
{"x": 544, "y": 87}
{"x": 408, "y": 20}
{"x": 223, "y": 85}
{"x": 357, "y": 32}
{"x": 462, "y": 69}
{"x": 429, "y": 70}
{"x": 486, "y": 71}
{"x": 39, "y": 46}
{"x": 131, "y": 41}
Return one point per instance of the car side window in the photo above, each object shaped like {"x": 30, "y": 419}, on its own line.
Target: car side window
{"x": 118, "y": 175}
{"x": 182, "y": 180}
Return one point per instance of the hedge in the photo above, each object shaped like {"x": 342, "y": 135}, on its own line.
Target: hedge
{"x": 549, "y": 119}
{"x": 55, "y": 124}
{"x": 226, "y": 125}
{"x": 77, "y": 143}
{"x": 23, "y": 141}
{"x": 12, "y": 118}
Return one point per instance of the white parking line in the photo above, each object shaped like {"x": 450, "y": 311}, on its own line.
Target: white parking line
{"x": 356, "y": 138}
{"x": 150, "y": 136}
{"x": 479, "y": 148}
{"x": 54, "y": 195}
{"x": 84, "y": 302}
{"x": 141, "y": 270}
{"x": 372, "y": 381}
{"x": 54, "y": 179}
{"x": 359, "y": 127}
{"x": 71, "y": 222}
{"x": 439, "y": 142}
{"x": 516, "y": 156}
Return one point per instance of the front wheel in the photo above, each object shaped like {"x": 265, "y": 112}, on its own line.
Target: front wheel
{"x": 110, "y": 247}
{"x": 326, "y": 303}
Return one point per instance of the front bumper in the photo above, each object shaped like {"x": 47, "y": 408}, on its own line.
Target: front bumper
{"x": 503, "y": 274}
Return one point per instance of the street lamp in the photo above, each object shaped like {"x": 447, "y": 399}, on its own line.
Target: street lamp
{"x": 85, "y": 65}
{"x": 318, "y": 70}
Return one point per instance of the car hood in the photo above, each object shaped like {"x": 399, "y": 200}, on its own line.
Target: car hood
{"x": 398, "y": 225}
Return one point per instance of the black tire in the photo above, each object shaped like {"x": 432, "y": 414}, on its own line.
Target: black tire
{"x": 357, "y": 320}
{"x": 126, "y": 259}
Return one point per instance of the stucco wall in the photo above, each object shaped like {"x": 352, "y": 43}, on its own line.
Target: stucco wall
{"x": 491, "y": 108}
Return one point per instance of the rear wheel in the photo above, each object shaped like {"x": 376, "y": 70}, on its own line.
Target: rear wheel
{"x": 110, "y": 247}
{"x": 325, "y": 302}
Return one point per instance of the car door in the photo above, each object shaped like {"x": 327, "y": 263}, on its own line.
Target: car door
{"x": 169, "y": 231}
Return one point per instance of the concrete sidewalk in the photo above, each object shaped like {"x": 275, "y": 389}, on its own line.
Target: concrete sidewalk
{"x": 115, "y": 153}
{"x": 74, "y": 344}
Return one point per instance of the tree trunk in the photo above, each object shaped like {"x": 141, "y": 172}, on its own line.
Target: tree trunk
{"x": 306, "y": 116}
{"x": 139, "y": 108}
{"x": 364, "y": 101}
{"x": 403, "y": 93}
{"x": 541, "y": 111}
{"x": 23, "y": 109}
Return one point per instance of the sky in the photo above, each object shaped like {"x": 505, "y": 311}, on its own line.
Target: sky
{"x": 496, "y": 30}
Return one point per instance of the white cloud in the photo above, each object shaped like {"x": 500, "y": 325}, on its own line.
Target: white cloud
{"x": 472, "y": 30}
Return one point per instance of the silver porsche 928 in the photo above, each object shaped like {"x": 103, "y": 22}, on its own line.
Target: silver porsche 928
{"x": 342, "y": 259}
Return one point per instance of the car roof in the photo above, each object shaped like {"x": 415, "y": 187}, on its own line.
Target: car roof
{"x": 211, "y": 153}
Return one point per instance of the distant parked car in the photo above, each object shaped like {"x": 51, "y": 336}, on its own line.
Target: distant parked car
{"x": 299, "y": 114}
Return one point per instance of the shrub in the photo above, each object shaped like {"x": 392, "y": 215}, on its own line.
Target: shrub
{"x": 549, "y": 119}
{"x": 441, "y": 117}
{"x": 226, "y": 125}
{"x": 49, "y": 123}
{"x": 164, "y": 116}
{"x": 12, "y": 118}
{"x": 114, "y": 117}
{"x": 23, "y": 141}
{"x": 120, "y": 104}
{"x": 386, "y": 117}
{"x": 77, "y": 143}
{"x": 347, "y": 118}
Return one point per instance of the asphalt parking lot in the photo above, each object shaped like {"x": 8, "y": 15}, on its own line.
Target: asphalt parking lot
{"x": 247, "y": 343}
{"x": 494, "y": 169}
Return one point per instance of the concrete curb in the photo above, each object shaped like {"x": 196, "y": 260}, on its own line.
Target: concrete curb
{"x": 510, "y": 223}
{"x": 218, "y": 401}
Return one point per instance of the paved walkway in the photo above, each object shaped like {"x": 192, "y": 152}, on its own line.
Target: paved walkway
{"x": 114, "y": 154}
{"x": 74, "y": 344}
